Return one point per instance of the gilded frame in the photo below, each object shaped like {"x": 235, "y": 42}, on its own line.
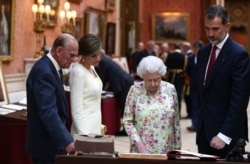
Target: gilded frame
{"x": 110, "y": 39}
{"x": 4, "y": 98}
{"x": 7, "y": 38}
{"x": 79, "y": 28}
{"x": 96, "y": 23}
{"x": 170, "y": 26}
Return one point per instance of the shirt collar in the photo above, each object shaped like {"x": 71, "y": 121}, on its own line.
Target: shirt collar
{"x": 220, "y": 45}
{"x": 55, "y": 63}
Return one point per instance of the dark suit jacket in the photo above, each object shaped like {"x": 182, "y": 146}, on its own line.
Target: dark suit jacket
{"x": 110, "y": 72}
{"x": 176, "y": 61}
{"x": 47, "y": 112}
{"x": 140, "y": 55}
{"x": 224, "y": 99}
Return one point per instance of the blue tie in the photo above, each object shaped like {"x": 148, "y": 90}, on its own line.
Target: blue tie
{"x": 61, "y": 74}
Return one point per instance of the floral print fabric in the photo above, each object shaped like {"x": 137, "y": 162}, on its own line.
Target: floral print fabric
{"x": 153, "y": 119}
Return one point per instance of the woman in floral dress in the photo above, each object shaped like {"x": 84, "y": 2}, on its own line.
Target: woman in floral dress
{"x": 151, "y": 116}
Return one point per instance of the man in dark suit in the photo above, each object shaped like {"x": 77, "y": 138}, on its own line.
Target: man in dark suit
{"x": 223, "y": 93}
{"x": 115, "y": 79}
{"x": 176, "y": 63}
{"x": 149, "y": 50}
{"x": 47, "y": 134}
{"x": 192, "y": 73}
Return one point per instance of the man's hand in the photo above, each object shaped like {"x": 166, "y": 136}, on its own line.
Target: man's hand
{"x": 217, "y": 143}
{"x": 70, "y": 149}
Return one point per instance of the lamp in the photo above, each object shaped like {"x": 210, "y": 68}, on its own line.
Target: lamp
{"x": 41, "y": 14}
{"x": 68, "y": 19}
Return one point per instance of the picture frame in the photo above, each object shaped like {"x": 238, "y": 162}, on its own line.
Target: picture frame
{"x": 110, "y": 5}
{"x": 170, "y": 26}
{"x": 4, "y": 98}
{"x": 96, "y": 23}
{"x": 79, "y": 28}
{"x": 110, "y": 39}
{"x": 6, "y": 37}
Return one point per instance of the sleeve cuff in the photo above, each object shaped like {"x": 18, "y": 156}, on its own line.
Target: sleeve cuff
{"x": 224, "y": 138}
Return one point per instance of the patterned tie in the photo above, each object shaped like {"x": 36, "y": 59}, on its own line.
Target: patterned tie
{"x": 61, "y": 74}
{"x": 211, "y": 61}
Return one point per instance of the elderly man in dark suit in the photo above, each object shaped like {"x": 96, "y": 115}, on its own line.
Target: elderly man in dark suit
{"x": 47, "y": 134}
{"x": 223, "y": 91}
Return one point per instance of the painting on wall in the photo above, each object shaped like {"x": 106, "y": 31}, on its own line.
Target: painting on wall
{"x": 6, "y": 29}
{"x": 79, "y": 29}
{"x": 110, "y": 40}
{"x": 95, "y": 23}
{"x": 170, "y": 26}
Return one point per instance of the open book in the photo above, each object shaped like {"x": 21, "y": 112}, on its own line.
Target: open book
{"x": 183, "y": 154}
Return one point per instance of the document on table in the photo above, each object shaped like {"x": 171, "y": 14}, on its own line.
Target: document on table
{"x": 23, "y": 101}
{"x": 4, "y": 111}
{"x": 14, "y": 107}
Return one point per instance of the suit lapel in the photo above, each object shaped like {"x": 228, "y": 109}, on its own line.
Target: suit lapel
{"x": 220, "y": 60}
{"x": 59, "y": 82}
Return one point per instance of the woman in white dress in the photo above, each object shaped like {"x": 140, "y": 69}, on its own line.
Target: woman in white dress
{"x": 86, "y": 88}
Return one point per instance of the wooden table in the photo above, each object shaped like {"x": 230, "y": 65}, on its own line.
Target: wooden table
{"x": 100, "y": 160}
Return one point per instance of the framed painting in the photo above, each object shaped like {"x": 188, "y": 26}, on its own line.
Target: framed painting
{"x": 4, "y": 98}
{"x": 170, "y": 26}
{"x": 110, "y": 39}
{"x": 79, "y": 29}
{"x": 95, "y": 23}
{"x": 6, "y": 29}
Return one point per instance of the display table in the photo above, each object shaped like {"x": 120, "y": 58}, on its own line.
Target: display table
{"x": 111, "y": 114}
{"x": 100, "y": 160}
{"x": 13, "y": 129}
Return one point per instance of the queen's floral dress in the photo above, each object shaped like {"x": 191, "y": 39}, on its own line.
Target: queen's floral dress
{"x": 153, "y": 119}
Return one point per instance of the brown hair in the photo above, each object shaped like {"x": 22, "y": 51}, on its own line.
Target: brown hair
{"x": 88, "y": 44}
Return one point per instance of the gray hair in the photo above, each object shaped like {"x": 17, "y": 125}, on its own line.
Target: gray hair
{"x": 63, "y": 40}
{"x": 151, "y": 64}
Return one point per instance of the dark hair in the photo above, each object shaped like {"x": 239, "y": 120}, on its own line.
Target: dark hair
{"x": 217, "y": 11}
{"x": 62, "y": 40}
{"x": 198, "y": 44}
{"x": 88, "y": 44}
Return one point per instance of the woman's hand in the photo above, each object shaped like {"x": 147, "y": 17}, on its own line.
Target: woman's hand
{"x": 141, "y": 148}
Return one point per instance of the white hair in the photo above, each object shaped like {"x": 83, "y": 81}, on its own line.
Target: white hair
{"x": 151, "y": 64}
